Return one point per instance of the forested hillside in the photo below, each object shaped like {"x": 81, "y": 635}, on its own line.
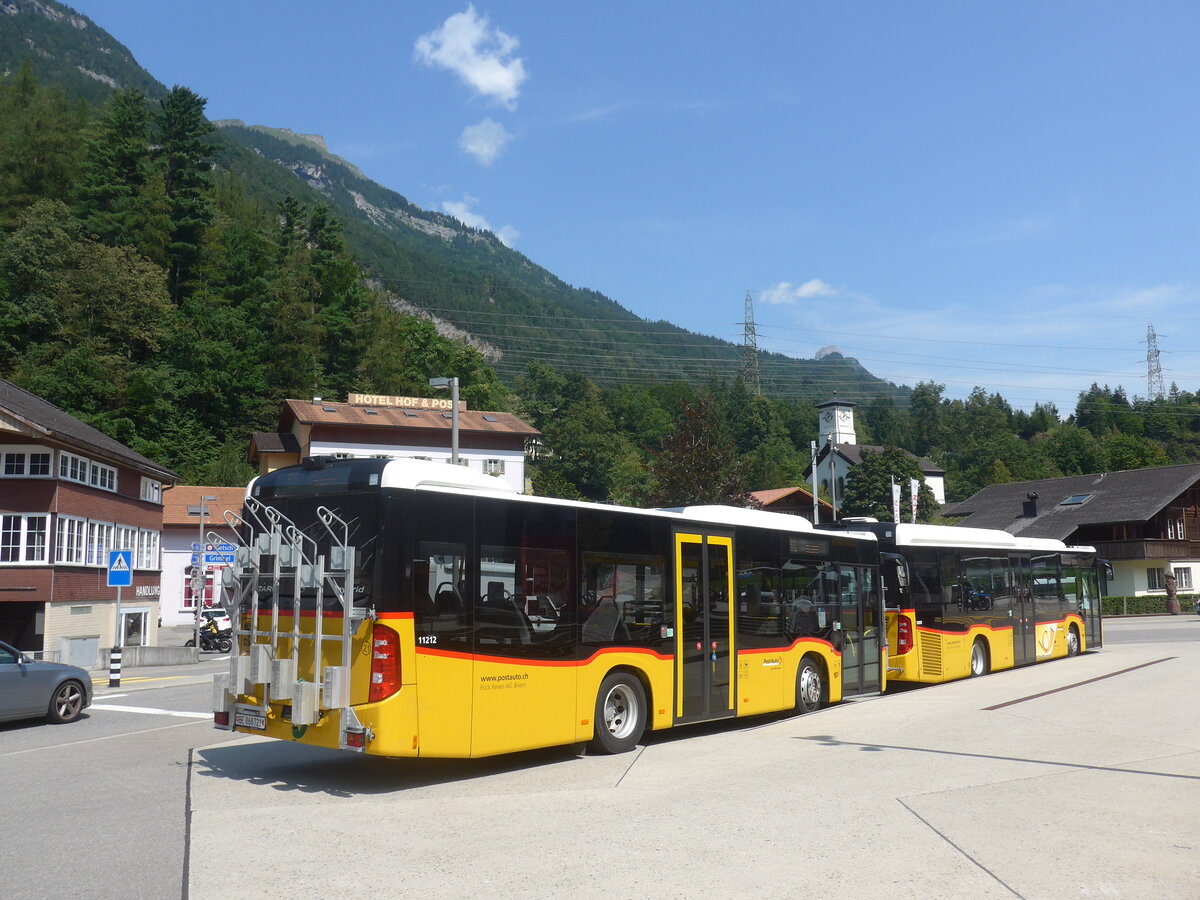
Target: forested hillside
{"x": 466, "y": 278}
{"x": 517, "y": 310}
{"x": 170, "y": 283}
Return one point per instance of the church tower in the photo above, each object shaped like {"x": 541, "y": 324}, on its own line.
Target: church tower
{"x": 836, "y": 422}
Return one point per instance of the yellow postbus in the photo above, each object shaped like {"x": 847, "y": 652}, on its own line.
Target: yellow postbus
{"x": 967, "y": 601}
{"x": 410, "y": 608}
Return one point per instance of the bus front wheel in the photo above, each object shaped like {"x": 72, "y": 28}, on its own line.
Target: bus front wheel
{"x": 979, "y": 658}
{"x": 1073, "y": 641}
{"x": 810, "y": 686}
{"x": 620, "y": 713}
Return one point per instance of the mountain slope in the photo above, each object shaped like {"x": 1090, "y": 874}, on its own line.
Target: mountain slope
{"x": 465, "y": 278}
{"x": 468, "y": 277}
{"x": 70, "y": 50}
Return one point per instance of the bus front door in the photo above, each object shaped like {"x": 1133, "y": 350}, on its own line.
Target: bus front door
{"x": 1023, "y": 616}
{"x": 862, "y": 631}
{"x": 705, "y": 658}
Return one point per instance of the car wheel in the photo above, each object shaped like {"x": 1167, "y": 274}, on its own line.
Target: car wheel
{"x": 620, "y": 713}
{"x": 67, "y": 702}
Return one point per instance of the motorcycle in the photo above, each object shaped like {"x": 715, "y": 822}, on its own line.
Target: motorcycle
{"x": 212, "y": 639}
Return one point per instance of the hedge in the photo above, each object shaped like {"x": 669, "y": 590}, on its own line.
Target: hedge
{"x": 1149, "y": 605}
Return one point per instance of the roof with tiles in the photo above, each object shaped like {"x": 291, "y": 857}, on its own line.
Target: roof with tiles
{"x": 181, "y": 504}
{"x": 324, "y": 412}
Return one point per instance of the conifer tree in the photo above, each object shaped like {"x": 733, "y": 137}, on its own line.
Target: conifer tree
{"x": 39, "y": 146}
{"x": 110, "y": 198}
{"x": 185, "y": 157}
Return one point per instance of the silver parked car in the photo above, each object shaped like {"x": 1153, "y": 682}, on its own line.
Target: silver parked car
{"x": 32, "y": 689}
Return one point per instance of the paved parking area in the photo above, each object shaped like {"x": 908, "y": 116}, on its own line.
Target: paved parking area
{"x": 1075, "y": 778}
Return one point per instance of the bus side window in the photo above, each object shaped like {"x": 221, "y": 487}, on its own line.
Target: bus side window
{"x": 442, "y": 616}
{"x": 622, "y": 598}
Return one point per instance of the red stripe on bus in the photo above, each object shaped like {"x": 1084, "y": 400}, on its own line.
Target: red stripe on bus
{"x": 792, "y": 646}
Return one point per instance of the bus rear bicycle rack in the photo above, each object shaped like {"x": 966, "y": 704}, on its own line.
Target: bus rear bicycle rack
{"x": 272, "y": 552}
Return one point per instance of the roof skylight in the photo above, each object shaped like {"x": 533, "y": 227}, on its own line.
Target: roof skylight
{"x": 1076, "y": 499}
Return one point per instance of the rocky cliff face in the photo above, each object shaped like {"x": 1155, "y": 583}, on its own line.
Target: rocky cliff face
{"x": 69, "y": 49}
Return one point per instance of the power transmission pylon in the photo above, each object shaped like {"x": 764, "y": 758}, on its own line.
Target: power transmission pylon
{"x": 1154, "y": 375}
{"x": 750, "y": 371}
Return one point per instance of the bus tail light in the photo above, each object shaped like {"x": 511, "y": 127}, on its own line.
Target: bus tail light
{"x": 385, "y": 663}
{"x": 904, "y": 635}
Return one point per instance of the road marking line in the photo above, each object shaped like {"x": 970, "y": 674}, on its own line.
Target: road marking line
{"x": 149, "y": 710}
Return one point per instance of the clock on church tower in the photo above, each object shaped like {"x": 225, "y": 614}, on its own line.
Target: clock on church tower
{"x": 837, "y": 422}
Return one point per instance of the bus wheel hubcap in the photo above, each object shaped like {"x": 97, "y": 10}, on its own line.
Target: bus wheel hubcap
{"x": 810, "y": 685}
{"x": 620, "y": 710}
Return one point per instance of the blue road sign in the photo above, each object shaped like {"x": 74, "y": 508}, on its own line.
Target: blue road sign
{"x": 120, "y": 568}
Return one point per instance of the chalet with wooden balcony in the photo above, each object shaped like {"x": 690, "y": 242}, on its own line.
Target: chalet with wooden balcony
{"x": 1146, "y": 522}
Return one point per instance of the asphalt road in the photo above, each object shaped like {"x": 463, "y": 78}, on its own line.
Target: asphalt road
{"x": 98, "y": 808}
{"x": 1152, "y": 629}
{"x": 937, "y": 792}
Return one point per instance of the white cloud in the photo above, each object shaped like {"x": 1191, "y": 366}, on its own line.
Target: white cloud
{"x": 508, "y": 235}
{"x": 484, "y": 141}
{"x": 464, "y": 212}
{"x": 786, "y": 292}
{"x": 481, "y": 56}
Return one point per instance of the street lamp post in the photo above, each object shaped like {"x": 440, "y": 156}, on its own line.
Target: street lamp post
{"x": 451, "y": 383}
{"x": 198, "y": 572}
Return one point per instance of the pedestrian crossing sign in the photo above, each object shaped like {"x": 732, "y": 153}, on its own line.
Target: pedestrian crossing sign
{"x": 120, "y": 568}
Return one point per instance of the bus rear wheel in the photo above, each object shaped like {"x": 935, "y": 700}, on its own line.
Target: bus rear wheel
{"x": 620, "y": 713}
{"x": 810, "y": 686}
{"x": 1073, "y": 641}
{"x": 979, "y": 658}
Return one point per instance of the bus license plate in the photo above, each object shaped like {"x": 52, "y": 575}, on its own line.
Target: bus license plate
{"x": 250, "y": 720}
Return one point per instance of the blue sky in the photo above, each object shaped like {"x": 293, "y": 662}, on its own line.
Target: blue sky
{"x": 1001, "y": 194}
